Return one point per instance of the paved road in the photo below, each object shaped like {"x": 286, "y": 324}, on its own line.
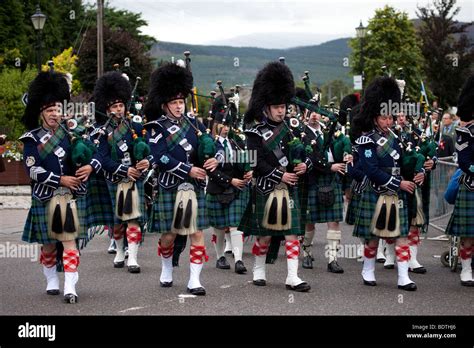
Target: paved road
{"x": 108, "y": 291}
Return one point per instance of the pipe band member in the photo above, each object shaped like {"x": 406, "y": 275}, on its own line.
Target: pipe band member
{"x": 461, "y": 223}
{"x": 125, "y": 159}
{"x": 228, "y": 189}
{"x": 276, "y": 171}
{"x": 55, "y": 218}
{"x": 182, "y": 153}
{"x": 382, "y": 212}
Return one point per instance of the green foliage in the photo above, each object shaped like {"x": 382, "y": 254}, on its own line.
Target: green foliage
{"x": 119, "y": 48}
{"x": 391, "y": 41}
{"x": 13, "y": 84}
{"x": 66, "y": 62}
{"x": 448, "y": 52}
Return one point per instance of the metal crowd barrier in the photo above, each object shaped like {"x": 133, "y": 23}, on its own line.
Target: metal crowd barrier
{"x": 440, "y": 210}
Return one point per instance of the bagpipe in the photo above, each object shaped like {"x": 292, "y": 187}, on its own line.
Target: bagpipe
{"x": 230, "y": 117}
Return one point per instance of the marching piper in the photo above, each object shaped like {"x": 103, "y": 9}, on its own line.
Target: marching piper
{"x": 382, "y": 212}
{"x": 461, "y": 223}
{"x": 183, "y": 151}
{"x": 280, "y": 163}
{"x": 55, "y": 219}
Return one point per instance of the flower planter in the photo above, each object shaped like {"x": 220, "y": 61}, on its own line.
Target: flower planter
{"x": 14, "y": 174}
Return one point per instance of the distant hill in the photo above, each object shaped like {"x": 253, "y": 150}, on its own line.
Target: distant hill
{"x": 212, "y": 63}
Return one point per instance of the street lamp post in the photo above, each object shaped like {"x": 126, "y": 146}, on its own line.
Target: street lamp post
{"x": 361, "y": 31}
{"x": 38, "y": 20}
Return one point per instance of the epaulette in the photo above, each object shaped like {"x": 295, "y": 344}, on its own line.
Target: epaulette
{"x": 29, "y": 135}
{"x": 469, "y": 131}
{"x": 256, "y": 129}
{"x": 364, "y": 139}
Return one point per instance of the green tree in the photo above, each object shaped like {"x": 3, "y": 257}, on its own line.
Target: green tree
{"x": 123, "y": 20}
{"x": 13, "y": 83}
{"x": 447, "y": 50}
{"x": 391, "y": 41}
{"x": 119, "y": 48}
{"x": 61, "y": 29}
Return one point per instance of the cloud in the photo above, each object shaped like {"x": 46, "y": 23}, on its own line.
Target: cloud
{"x": 201, "y": 22}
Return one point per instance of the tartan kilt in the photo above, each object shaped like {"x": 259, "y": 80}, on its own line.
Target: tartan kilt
{"x": 112, "y": 188}
{"x": 229, "y": 215}
{"x": 352, "y": 208}
{"x": 365, "y": 213}
{"x": 161, "y": 217}
{"x": 251, "y": 221}
{"x": 318, "y": 213}
{"x": 99, "y": 208}
{"x": 36, "y": 225}
{"x": 461, "y": 223}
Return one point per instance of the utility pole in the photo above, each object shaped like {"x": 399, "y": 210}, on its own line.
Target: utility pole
{"x": 100, "y": 38}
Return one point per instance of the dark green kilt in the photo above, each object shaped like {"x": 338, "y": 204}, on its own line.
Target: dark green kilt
{"x": 251, "y": 221}
{"x": 99, "y": 208}
{"x": 318, "y": 213}
{"x": 365, "y": 213}
{"x": 141, "y": 193}
{"x": 461, "y": 223}
{"x": 161, "y": 218}
{"x": 352, "y": 208}
{"x": 227, "y": 215}
{"x": 36, "y": 225}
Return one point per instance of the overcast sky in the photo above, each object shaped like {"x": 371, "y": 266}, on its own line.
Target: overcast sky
{"x": 218, "y": 21}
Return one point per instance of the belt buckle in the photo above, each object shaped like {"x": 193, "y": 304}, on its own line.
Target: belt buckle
{"x": 396, "y": 171}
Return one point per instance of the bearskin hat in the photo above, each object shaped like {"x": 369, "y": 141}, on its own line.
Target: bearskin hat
{"x": 348, "y": 102}
{"x": 274, "y": 85}
{"x": 466, "y": 100}
{"x": 45, "y": 90}
{"x": 109, "y": 89}
{"x": 378, "y": 94}
{"x": 168, "y": 82}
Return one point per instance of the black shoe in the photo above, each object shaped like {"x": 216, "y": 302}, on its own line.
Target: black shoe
{"x": 381, "y": 260}
{"x": 334, "y": 267}
{"x": 260, "y": 282}
{"x": 53, "y": 292}
{"x": 222, "y": 263}
{"x": 469, "y": 283}
{"x": 119, "y": 264}
{"x": 307, "y": 262}
{"x": 303, "y": 287}
{"x": 389, "y": 266}
{"x": 197, "y": 291}
{"x": 408, "y": 287}
{"x": 419, "y": 270}
{"x": 70, "y": 298}
{"x": 240, "y": 268}
{"x": 166, "y": 284}
{"x": 134, "y": 269}
{"x": 370, "y": 282}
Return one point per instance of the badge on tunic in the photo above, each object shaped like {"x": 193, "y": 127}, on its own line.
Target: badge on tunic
{"x": 123, "y": 147}
{"x": 59, "y": 152}
{"x": 30, "y": 161}
{"x": 164, "y": 159}
{"x": 45, "y": 138}
{"x": 368, "y": 153}
{"x": 126, "y": 160}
